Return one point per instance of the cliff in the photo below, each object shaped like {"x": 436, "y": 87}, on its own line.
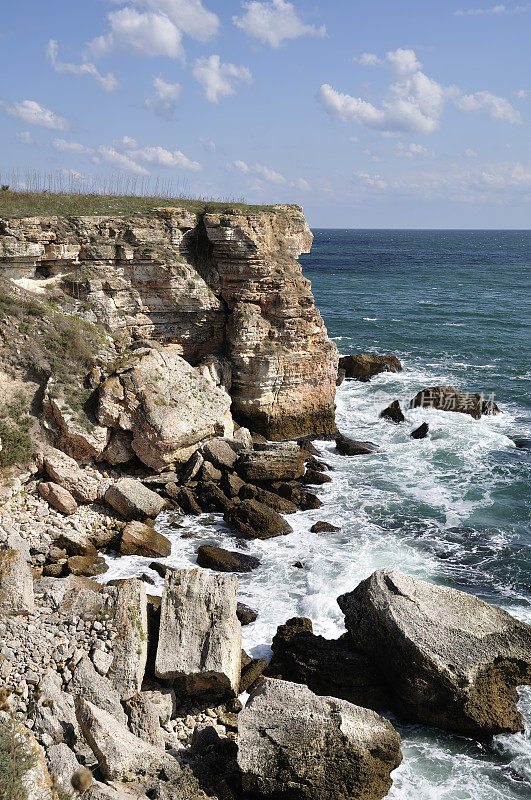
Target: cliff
{"x": 222, "y": 289}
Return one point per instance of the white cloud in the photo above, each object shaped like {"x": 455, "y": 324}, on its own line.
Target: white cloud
{"x": 165, "y": 99}
{"x": 208, "y": 144}
{"x": 412, "y": 150}
{"x": 108, "y": 82}
{"x": 303, "y": 184}
{"x": 220, "y": 80}
{"x": 490, "y": 104}
{"x": 242, "y": 166}
{"x": 269, "y": 175}
{"x": 147, "y": 34}
{"x": 190, "y": 16}
{"x": 273, "y": 22}
{"x": 470, "y": 153}
{"x": 375, "y": 181}
{"x": 34, "y": 114}
{"x": 25, "y": 137}
{"x": 163, "y": 157}
{"x": 113, "y": 157}
{"x": 522, "y": 94}
{"x": 70, "y": 147}
{"x": 497, "y": 10}
{"x": 413, "y": 103}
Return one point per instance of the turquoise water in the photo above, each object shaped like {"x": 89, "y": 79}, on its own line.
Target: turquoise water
{"x": 454, "y": 307}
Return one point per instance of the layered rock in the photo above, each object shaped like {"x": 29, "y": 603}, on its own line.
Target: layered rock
{"x": 224, "y": 289}
{"x": 448, "y": 658}
{"x": 446, "y": 398}
{"x": 293, "y": 744}
{"x": 364, "y": 366}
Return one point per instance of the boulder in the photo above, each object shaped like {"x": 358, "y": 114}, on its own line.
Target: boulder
{"x": 293, "y": 744}
{"x": 212, "y": 498}
{"x": 58, "y": 497}
{"x": 351, "y": 447}
{"x": 89, "y": 566}
{"x": 297, "y": 495}
{"x": 199, "y": 644}
{"x": 278, "y": 464}
{"x": 324, "y": 527}
{"x": 62, "y": 764}
{"x": 192, "y": 467}
{"x": 16, "y": 583}
{"x": 121, "y": 755}
{"x": 327, "y": 666}
{"x": 313, "y": 477}
{"x": 209, "y": 472}
{"x": 363, "y": 366}
{"x": 72, "y": 435}
{"x": 168, "y": 406}
{"x": 88, "y": 683}
{"x": 393, "y": 412}
{"x": 446, "y": 398}
{"x": 449, "y": 659}
{"x": 279, "y": 504}
{"x": 119, "y": 450}
{"x": 142, "y": 540}
{"x": 127, "y": 606}
{"x": 256, "y": 521}
{"x": 421, "y": 432}
{"x": 62, "y": 469}
{"x": 133, "y": 500}
{"x": 225, "y": 560}
{"x": 251, "y": 672}
{"x": 76, "y": 543}
{"x": 143, "y": 719}
{"x": 231, "y": 484}
{"x": 186, "y": 499}
{"x": 245, "y": 614}
{"x": 220, "y": 454}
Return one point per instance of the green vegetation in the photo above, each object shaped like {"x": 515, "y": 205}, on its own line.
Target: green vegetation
{"x": 15, "y": 424}
{"x": 50, "y": 204}
{"x": 16, "y": 759}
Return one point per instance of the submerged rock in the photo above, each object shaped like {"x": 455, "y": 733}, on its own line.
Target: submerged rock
{"x": 448, "y": 658}
{"x": 245, "y": 614}
{"x": 257, "y": 521}
{"x": 446, "y": 398}
{"x": 324, "y": 527}
{"x": 421, "y": 432}
{"x": 393, "y": 412}
{"x": 352, "y": 447}
{"x": 225, "y": 560}
{"x": 293, "y": 744}
{"x": 363, "y": 366}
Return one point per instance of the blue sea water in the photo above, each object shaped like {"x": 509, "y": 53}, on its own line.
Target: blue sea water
{"x": 452, "y": 508}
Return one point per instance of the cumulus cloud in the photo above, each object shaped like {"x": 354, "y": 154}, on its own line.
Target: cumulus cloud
{"x": 303, "y": 184}
{"x": 34, "y": 114}
{"x": 165, "y": 97}
{"x": 497, "y": 10}
{"x": 413, "y": 103}
{"x": 273, "y": 22}
{"x": 489, "y": 104}
{"x": 112, "y": 156}
{"x": 190, "y": 16}
{"x": 162, "y": 157}
{"x": 144, "y": 33}
{"x": 108, "y": 82}
{"x": 70, "y": 147}
{"x": 219, "y": 79}
{"x": 412, "y": 150}
{"x": 261, "y": 171}
{"x": 25, "y": 137}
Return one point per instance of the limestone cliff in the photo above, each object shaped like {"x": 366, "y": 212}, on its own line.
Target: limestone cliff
{"x": 210, "y": 284}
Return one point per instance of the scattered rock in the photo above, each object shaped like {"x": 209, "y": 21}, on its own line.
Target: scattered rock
{"x": 449, "y": 659}
{"x": 251, "y": 672}
{"x": 199, "y": 644}
{"x": 314, "y": 477}
{"x": 225, "y": 560}
{"x": 16, "y": 583}
{"x": 446, "y": 398}
{"x": 245, "y": 614}
{"x": 364, "y": 366}
{"x": 256, "y": 521}
{"x": 142, "y": 540}
{"x": 58, "y": 497}
{"x": 89, "y": 566}
{"x": 393, "y": 412}
{"x": 133, "y": 500}
{"x": 351, "y": 447}
{"x": 421, "y": 432}
{"x": 63, "y": 470}
{"x": 324, "y": 527}
{"x": 220, "y": 454}
{"x": 279, "y": 504}
{"x": 294, "y": 744}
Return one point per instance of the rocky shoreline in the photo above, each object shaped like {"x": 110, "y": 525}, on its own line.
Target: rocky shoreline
{"x": 206, "y": 346}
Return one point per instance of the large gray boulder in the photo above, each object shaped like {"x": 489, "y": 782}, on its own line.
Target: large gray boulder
{"x": 279, "y": 462}
{"x": 448, "y": 658}
{"x": 127, "y": 605}
{"x": 133, "y": 500}
{"x": 65, "y": 471}
{"x": 16, "y": 583}
{"x": 95, "y": 688}
{"x": 200, "y": 636}
{"x": 297, "y": 746}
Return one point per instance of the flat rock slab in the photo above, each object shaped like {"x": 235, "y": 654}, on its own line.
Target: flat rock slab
{"x": 127, "y": 605}
{"x": 16, "y": 583}
{"x": 293, "y": 744}
{"x": 225, "y": 560}
{"x": 58, "y": 497}
{"x": 279, "y": 464}
{"x": 448, "y": 658}
{"x": 199, "y": 644}
{"x": 133, "y": 500}
{"x": 446, "y": 398}
{"x": 352, "y": 447}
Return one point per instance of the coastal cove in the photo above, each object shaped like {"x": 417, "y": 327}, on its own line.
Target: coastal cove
{"x": 451, "y": 508}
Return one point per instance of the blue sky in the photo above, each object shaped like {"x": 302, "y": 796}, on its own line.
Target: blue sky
{"x": 368, "y": 113}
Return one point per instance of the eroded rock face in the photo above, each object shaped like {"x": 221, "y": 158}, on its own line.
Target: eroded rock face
{"x": 448, "y": 658}
{"x": 200, "y": 635}
{"x": 169, "y": 407}
{"x": 293, "y": 744}
{"x": 364, "y": 366}
{"x": 446, "y": 398}
{"x": 225, "y": 289}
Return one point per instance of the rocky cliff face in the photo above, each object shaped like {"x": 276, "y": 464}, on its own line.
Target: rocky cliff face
{"x": 224, "y": 285}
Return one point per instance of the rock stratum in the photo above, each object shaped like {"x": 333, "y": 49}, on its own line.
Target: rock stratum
{"x": 222, "y": 291}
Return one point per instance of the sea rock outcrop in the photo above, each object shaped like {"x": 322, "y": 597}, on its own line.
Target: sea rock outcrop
{"x": 293, "y": 744}
{"x": 446, "y": 398}
{"x": 364, "y": 366}
{"x": 448, "y": 658}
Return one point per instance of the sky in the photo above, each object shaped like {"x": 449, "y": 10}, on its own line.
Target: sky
{"x": 368, "y": 113}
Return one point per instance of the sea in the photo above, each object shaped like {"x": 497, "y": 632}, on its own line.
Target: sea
{"x": 452, "y": 508}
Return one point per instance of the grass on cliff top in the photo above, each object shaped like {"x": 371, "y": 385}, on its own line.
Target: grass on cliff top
{"x": 48, "y": 204}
